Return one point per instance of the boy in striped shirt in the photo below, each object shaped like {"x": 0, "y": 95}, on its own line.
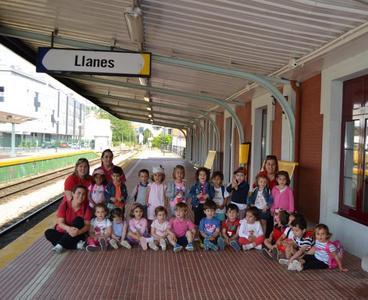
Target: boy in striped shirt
{"x": 302, "y": 242}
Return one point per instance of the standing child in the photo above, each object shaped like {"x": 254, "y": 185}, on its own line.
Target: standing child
{"x": 280, "y": 218}
{"x": 230, "y": 229}
{"x": 155, "y": 192}
{"x": 100, "y": 230}
{"x": 200, "y": 192}
{"x": 96, "y": 191}
{"x": 119, "y": 229}
{"x": 250, "y": 230}
{"x": 220, "y": 194}
{"x": 282, "y": 194}
{"x": 116, "y": 192}
{"x": 209, "y": 227}
{"x": 137, "y": 231}
{"x": 176, "y": 190}
{"x": 183, "y": 229}
{"x": 262, "y": 199}
{"x": 238, "y": 189}
{"x": 139, "y": 193}
{"x": 161, "y": 229}
{"x": 323, "y": 255}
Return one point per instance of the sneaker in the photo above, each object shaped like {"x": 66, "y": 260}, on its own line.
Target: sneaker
{"x": 234, "y": 244}
{"x": 221, "y": 243}
{"x": 267, "y": 253}
{"x": 258, "y": 247}
{"x": 153, "y": 246}
{"x": 58, "y": 249}
{"x": 93, "y": 248}
{"x": 125, "y": 244}
{"x": 81, "y": 245}
{"x": 295, "y": 265}
{"x": 248, "y": 246}
{"x": 213, "y": 246}
{"x": 103, "y": 244}
{"x": 275, "y": 254}
{"x": 177, "y": 248}
{"x": 143, "y": 243}
{"x": 114, "y": 244}
{"x": 201, "y": 245}
{"x": 283, "y": 261}
{"x": 163, "y": 244}
{"x": 189, "y": 247}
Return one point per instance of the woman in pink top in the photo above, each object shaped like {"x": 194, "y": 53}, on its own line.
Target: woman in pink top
{"x": 282, "y": 194}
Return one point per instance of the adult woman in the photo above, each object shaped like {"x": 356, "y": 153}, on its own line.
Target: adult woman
{"x": 107, "y": 165}
{"x": 269, "y": 169}
{"x": 80, "y": 176}
{"x": 72, "y": 222}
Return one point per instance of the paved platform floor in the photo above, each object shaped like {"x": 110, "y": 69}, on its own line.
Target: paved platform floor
{"x": 134, "y": 274}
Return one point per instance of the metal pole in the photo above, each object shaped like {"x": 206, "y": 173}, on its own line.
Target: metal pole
{"x": 12, "y": 152}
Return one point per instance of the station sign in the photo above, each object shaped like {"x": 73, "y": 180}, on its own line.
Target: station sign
{"x": 57, "y": 60}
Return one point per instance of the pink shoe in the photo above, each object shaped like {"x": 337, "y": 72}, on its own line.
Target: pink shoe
{"x": 143, "y": 243}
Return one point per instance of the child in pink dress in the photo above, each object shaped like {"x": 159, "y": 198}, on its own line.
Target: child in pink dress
{"x": 282, "y": 194}
{"x": 156, "y": 192}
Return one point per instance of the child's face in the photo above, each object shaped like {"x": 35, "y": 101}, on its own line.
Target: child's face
{"x": 143, "y": 177}
{"x": 321, "y": 235}
{"x": 250, "y": 218}
{"x": 217, "y": 181}
{"x": 138, "y": 213}
{"x": 209, "y": 212}
{"x": 180, "y": 213}
{"x": 240, "y": 177}
{"x": 100, "y": 213}
{"x": 115, "y": 177}
{"x": 117, "y": 219}
{"x": 202, "y": 176}
{"x": 281, "y": 180}
{"x": 231, "y": 214}
{"x": 157, "y": 177}
{"x": 298, "y": 232}
{"x": 161, "y": 216}
{"x": 179, "y": 174}
{"x": 276, "y": 217}
{"x": 262, "y": 183}
{"x": 98, "y": 179}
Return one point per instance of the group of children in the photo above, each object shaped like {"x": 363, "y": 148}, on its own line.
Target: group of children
{"x": 223, "y": 216}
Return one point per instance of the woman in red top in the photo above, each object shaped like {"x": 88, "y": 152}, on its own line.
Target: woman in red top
{"x": 72, "y": 222}
{"x": 269, "y": 169}
{"x": 106, "y": 165}
{"x": 80, "y": 176}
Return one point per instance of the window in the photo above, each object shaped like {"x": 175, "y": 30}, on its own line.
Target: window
{"x": 2, "y": 94}
{"x": 354, "y": 151}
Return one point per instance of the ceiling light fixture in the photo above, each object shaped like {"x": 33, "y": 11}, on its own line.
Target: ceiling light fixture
{"x": 147, "y": 99}
{"x": 148, "y": 108}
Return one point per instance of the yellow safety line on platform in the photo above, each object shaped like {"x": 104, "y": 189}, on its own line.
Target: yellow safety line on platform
{"x": 22, "y": 243}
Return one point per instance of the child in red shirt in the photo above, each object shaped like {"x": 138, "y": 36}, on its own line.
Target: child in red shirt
{"x": 229, "y": 229}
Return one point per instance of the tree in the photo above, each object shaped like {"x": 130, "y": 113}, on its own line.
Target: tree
{"x": 122, "y": 130}
{"x": 161, "y": 140}
{"x": 146, "y": 134}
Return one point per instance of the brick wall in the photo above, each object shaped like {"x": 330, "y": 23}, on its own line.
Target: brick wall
{"x": 310, "y": 149}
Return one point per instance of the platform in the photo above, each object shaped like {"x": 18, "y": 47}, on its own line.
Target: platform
{"x": 134, "y": 274}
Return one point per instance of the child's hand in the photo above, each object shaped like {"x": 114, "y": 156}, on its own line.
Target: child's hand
{"x": 343, "y": 270}
{"x": 112, "y": 199}
{"x": 234, "y": 183}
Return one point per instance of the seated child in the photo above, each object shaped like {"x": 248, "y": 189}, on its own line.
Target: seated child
{"x": 100, "y": 230}
{"x": 229, "y": 228}
{"x": 238, "y": 190}
{"x": 286, "y": 237}
{"x": 160, "y": 228}
{"x": 301, "y": 242}
{"x": 321, "y": 254}
{"x": 250, "y": 230}
{"x": 281, "y": 218}
{"x": 119, "y": 229}
{"x": 96, "y": 191}
{"x": 116, "y": 192}
{"x": 137, "y": 231}
{"x": 262, "y": 199}
{"x": 209, "y": 226}
{"x": 139, "y": 192}
{"x": 183, "y": 229}
{"x": 220, "y": 194}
